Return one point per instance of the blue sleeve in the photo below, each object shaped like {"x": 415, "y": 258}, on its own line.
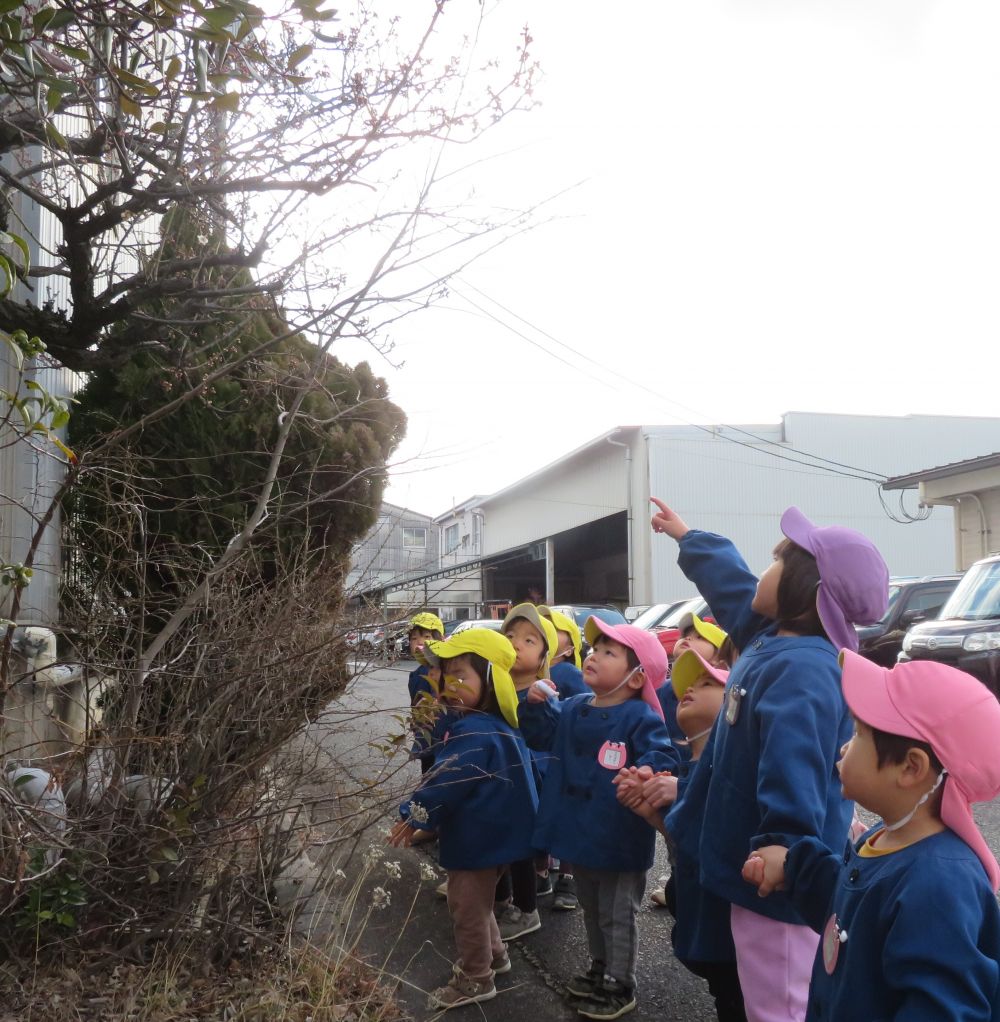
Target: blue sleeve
{"x": 933, "y": 957}
{"x": 652, "y": 745}
{"x": 538, "y": 723}
{"x": 812, "y": 872}
{"x": 798, "y": 721}
{"x": 463, "y": 764}
{"x": 722, "y": 577}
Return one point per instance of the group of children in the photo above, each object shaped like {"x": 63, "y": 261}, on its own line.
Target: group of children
{"x": 749, "y": 760}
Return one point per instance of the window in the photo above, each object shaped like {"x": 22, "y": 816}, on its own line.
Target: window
{"x": 451, "y": 538}
{"x": 414, "y": 537}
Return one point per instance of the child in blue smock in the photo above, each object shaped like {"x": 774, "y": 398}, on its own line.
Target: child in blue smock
{"x": 908, "y": 914}
{"x": 592, "y": 737}
{"x": 566, "y": 673}
{"x": 701, "y": 936}
{"x": 480, "y": 797}
{"x": 423, "y": 691}
{"x": 534, "y": 640}
{"x": 768, "y": 772}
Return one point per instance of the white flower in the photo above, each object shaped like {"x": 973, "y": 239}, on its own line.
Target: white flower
{"x": 381, "y": 897}
{"x": 417, "y": 812}
{"x": 427, "y": 871}
{"x": 340, "y": 874}
{"x": 373, "y": 855}
{"x": 393, "y": 869}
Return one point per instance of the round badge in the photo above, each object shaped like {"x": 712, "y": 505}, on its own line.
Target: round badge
{"x": 613, "y": 755}
{"x": 833, "y": 937}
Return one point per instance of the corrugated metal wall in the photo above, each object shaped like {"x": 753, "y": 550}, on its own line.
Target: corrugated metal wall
{"x": 583, "y": 489}
{"x": 717, "y": 484}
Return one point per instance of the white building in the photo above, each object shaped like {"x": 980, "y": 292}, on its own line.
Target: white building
{"x": 579, "y": 528}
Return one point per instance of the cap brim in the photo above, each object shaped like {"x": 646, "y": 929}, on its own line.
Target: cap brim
{"x": 866, "y": 693}
{"x": 690, "y": 666}
{"x": 798, "y": 528}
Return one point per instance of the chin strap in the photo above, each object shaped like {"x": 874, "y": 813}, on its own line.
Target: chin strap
{"x": 694, "y": 738}
{"x": 889, "y": 828}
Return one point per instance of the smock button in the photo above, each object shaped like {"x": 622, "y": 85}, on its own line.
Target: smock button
{"x": 854, "y": 874}
{"x": 604, "y": 716}
{"x": 847, "y": 857}
{"x": 584, "y": 711}
{"x": 758, "y": 644}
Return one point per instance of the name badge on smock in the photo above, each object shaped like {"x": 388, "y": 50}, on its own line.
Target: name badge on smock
{"x": 833, "y": 937}
{"x": 733, "y": 699}
{"x": 613, "y": 755}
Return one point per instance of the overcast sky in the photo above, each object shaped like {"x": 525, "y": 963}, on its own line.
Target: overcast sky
{"x": 785, "y": 205}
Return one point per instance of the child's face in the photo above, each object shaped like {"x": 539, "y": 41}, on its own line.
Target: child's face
{"x": 765, "y": 600}
{"x": 861, "y": 778}
{"x": 692, "y": 640}
{"x": 564, "y": 651}
{"x": 700, "y": 705}
{"x": 606, "y": 667}
{"x": 418, "y": 637}
{"x": 528, "y": 644}
{"x": 461, "y": 685}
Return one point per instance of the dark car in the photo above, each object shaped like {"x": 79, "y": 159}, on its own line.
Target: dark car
{"x": 666, "y": 622}
{"x": 910, "y": 602}
{"x": 580, "y": 613}
{"x": 966, "y": 634}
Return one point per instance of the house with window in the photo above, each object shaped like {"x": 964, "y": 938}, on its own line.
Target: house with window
{"x": 402, "y": 546}
{"x": 459, "y": 593}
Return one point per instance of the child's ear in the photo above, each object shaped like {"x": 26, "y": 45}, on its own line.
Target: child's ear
{"x": 915, "y": 770}
{"x": 637, "y": 680}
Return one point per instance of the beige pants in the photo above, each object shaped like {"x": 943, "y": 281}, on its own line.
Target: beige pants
{"x": 470, "y": 903}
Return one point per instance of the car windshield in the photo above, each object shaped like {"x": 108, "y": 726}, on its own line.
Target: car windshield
{"x": 894, "y": 592}
{"x": 695, "y": 606}
{"x": 977, "y": 596}
{"x": 650, "y": 617}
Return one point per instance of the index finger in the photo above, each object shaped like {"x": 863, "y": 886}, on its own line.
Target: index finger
{"x": 659, "y": 503}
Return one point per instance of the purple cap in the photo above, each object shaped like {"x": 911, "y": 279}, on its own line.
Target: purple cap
{"x": 647, "y": 648}
{"x": 854, "y": 579}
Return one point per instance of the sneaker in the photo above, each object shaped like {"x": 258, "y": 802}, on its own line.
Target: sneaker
{"x": 543, "y": 884}
{"x": 501, "y": 964}
{"x": 462, "y": 989}
{"x": 565, "y": 899}
{"x": 514, "y": 923}
{"x": 589, "y": 983}
{"x": 442, "y": 889}
{"x": 613, "y": 1000}
{"x": 658, "y": 895}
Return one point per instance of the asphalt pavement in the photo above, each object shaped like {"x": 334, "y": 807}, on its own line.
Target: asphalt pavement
{"x": 409, "y": 938}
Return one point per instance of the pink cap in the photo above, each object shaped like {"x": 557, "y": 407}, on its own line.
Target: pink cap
{"x": 646, "y": 646}
{"x": 950, "y": 710}
{"x": 854, "y": 579}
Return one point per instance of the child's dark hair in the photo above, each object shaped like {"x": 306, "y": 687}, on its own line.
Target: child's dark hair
{"x": 892, "y": 749}
{"x": 797, "y": 590}
{"x": 630, "y": 657}
{"x": 727, "y": 652}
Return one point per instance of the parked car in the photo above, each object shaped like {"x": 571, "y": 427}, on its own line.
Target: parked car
{"x": 579, "y": 613}
{"x": 666, "y": 622}
{"x": 495, "y": 624}
{"x": 910, "y": 601}
{"x": 966, "y": 634}
{"x": 380, "y": 639}
{"x": 652, "y": 617}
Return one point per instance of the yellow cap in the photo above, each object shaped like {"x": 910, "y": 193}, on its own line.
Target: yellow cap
{"x": 689, "y": 668}
{"x": 709, "y": 632}
{"x": 493, "y": 647}
{"x": 562, "y": 623}
{"x": 428, "y": 621}
{"x": 542, "y": 625}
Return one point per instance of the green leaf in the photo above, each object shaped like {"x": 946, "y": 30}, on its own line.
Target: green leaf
{"x": 221, "y": 17}
{"x": 230, "y": 101}
{"x": 56, "y": 137}
{"x": 59, "y": 419}
{"x": 61, "y": 19}
{"x": 168, "y": 853}
{"x": 72, "y": 51}
{"x": 130, "y": 106}
{"x": 174, "y": 68}
{"x": 6, "y": 6}
{"x": 15, "y": 350}
{"x": 152, "y": 876}
{"x": 41, "y": 19}
{"x": 136, "y": 82}
{"x": 299, "y": 55}
{"x": 66, "y": 919}
{"x": 52, "y": 99}
{"x": 5, "y": 268}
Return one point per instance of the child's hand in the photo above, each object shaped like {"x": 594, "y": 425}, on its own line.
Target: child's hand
{"x": 666, "y": 521}
{"x": 402, "y": 834}
{"x": 541, "y": 691}
{"x": 661, "y": 790}
{"x": 629, "y": 786}
{"x": 765, "y": 869}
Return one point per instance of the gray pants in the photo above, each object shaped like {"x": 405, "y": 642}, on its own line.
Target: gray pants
{"x": 610, "y": 903}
